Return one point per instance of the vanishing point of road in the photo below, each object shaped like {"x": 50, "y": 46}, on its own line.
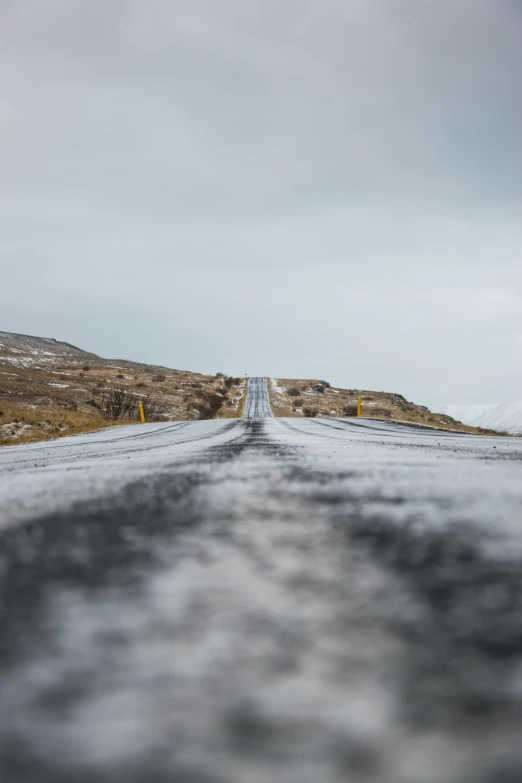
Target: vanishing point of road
{"x": 261, "y": 599}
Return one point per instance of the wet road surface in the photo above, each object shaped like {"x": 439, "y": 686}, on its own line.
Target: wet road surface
{"x": 242, "y": 601}
{"x": 257, "y": 405}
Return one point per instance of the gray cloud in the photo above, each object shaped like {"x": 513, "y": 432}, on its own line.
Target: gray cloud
{"x": 318, "y": 189}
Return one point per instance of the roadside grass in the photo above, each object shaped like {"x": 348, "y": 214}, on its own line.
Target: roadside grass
{"x": 24, "y": 424}
{"x": 48, "y": 392}
{"x": 235, "y": 411}
{"x": 178, "y": 399}
{"x": 39, "y": 404}
{"x": 278, "y": 404}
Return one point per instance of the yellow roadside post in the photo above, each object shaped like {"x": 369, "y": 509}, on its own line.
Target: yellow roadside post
{"x": 359, "y": 404}
{"x": 142, "y": 412}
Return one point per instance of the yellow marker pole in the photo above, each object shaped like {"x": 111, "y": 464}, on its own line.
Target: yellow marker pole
{"x": 142, "y": 412}
{"x": 359, "y": 404}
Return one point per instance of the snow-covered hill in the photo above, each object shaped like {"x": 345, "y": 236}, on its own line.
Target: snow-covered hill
{"x": 502, "y": 418}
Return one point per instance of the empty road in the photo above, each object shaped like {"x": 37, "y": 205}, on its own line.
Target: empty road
{"x": 261, "y": 600}
{"x": 257, "y": 404}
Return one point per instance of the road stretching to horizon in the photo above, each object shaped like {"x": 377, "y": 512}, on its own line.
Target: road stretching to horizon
{"x": 257, "y": 404}
{"x": 261, "y": 599}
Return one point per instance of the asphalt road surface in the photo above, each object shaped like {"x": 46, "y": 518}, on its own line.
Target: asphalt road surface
{"x": 244, "y": 601}
{"x": 257, "y": 404}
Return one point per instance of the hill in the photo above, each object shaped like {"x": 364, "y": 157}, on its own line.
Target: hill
{"x": 50, "y": 388}
{"x": 291, "y": 397}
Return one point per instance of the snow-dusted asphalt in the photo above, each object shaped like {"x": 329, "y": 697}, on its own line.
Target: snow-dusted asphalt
{"x": 254, "y": 600}
{"x": 257, "y": 405}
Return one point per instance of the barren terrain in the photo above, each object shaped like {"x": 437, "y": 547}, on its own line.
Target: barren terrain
{"x": 311, "y": 398}
{"x": 50, "y": 389}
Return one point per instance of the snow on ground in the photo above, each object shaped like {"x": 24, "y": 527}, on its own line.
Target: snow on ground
{"x": 507, "y": 418}
{"x": 467, "y": 414}
{"x": 276, "y": 387}
{"x": 502, "y": 418}
{"x": 12, "y": 429}
{"x": 296, "y": 600}
{"x": 289, "y": 627}
{"x": 33, "y": 474}
{"x": 28, "y": 361}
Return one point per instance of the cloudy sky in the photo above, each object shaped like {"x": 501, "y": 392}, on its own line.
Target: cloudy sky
{"x": 297, "y": 188}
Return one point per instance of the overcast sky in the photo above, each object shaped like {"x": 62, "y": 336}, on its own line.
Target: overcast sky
{"x": 295, "y": 188}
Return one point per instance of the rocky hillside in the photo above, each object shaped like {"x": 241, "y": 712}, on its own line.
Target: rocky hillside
{"x": 50, "y": 388}
{"x": 293, "y": 397}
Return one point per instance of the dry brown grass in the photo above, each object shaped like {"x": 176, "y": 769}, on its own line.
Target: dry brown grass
{"x": 24, "y": 424}
{"x": 236, "y": 395}
{"x": 281, "y": 408}
{"x": 50, "y": 394}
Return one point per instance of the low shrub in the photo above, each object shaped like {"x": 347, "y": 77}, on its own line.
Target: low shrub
{"x": 155, "y": 410}
{"x": 310, "y": 413}
{"x": 43, "y": 423}
{"x": 118, "y": 403}
{"x": 159, "y": 378}
{"x": 209, "y": 405}
{"x": 350, "y": 410}
{"x": 293, "y": 391}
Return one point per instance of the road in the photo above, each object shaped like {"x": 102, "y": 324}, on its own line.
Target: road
{"x": 257, "y": 405}
{"x": 244, "y": 601}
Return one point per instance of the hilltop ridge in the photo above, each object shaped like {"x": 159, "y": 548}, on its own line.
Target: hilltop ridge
{"x": 27, "y": 350}
{"x": 50, "y": 388}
